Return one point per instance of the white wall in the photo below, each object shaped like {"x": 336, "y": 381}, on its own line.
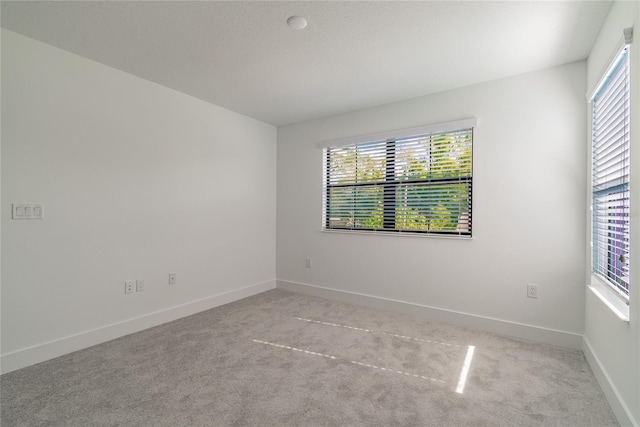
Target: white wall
{"x": 528, "y": 217}
{"x": 612, "y": 346}
{"x": 137, "y": 181}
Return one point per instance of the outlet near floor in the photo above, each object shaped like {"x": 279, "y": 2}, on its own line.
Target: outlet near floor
{"x": 532, "y": 291}
{"x": 129, "y": 286}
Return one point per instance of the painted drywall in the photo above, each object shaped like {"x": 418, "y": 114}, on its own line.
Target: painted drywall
{"x": 615, "y": 345}
{"x": 528, "y": 198}
{"x": 137, "y": 181}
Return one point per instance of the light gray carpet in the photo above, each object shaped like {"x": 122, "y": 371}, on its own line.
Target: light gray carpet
{"x": 284, "y": 359}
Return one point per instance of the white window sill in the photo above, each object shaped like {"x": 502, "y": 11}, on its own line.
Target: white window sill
{"x": 610, "y": 299}
{"x": 396, "y": 233}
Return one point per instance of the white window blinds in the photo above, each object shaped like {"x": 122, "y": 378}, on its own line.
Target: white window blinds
{"x": 418, "y": 184}
{"x": 610, "y": 176}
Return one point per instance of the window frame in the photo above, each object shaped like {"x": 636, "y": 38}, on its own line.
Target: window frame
{"x": 390, "y": 183}
{"x": 616, "y": 298}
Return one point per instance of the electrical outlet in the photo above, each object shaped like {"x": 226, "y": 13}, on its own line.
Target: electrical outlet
{"x": 129, "y": 286}
{"x": 308, "y": 262}
{"x": 139, "y": 285}
{"x": 532, "y": 291}
{"x": 172, "y": 278}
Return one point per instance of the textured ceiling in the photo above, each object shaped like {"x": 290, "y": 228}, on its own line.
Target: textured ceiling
{"x": 241, "y": 55}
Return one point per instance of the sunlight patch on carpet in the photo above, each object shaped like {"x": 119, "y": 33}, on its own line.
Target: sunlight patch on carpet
{"x": 333, "y": 324}
{"x": 397, "y": 372}
{"x": 371, "y": 331}
{"x": 295, "y": 349}
{"x": 380, "y": 368}
{"x": 464, "y": 372}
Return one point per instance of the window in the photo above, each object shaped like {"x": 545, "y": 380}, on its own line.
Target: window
{"x": 610, "y": 176}
{"x": 418, "y": 182}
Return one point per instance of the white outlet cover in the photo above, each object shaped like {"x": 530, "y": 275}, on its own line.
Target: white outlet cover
{"x": 129, "y": 286}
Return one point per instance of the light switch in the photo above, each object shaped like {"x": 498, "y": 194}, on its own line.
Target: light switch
{"x": 27, "y": 211}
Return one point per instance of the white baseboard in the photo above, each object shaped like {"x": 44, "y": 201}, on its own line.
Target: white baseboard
{"x": 620, "y": 409}
{"x": 51, "y": 349}
{"x": 498, "y": 326}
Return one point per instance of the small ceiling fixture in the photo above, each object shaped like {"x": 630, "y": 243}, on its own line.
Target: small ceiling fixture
{"x": 297, "y": 22}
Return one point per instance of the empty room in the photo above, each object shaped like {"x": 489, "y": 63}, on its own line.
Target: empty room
{"x": 320, "y": 213}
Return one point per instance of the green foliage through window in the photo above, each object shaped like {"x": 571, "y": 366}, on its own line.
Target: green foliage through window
{"x": 420, "y": 184}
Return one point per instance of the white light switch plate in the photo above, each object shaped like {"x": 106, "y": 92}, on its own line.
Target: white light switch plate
{"x": 27, "y": 211}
